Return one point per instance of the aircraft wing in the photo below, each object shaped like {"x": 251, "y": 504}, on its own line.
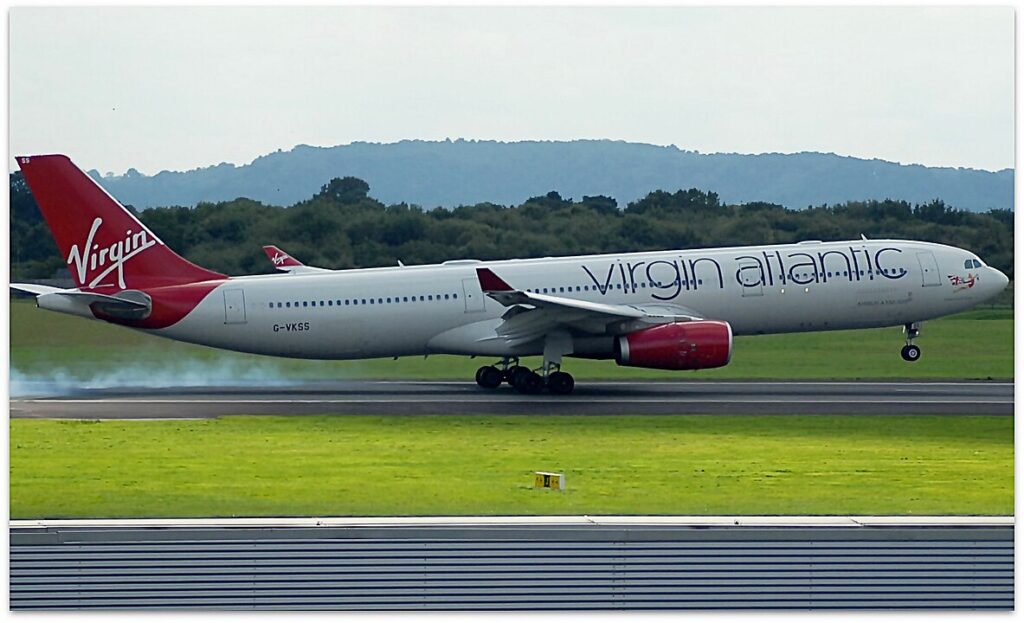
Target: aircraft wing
{"x": 286, "y": 263}
{"x": 531, "y": 315}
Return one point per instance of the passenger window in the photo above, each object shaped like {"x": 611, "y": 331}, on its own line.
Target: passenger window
{"x": 364, "y": 301}
{"x": 455, "y": 296}
{"x": 446, "y": 297}
{"x": 305, "y": 303}
{"x": 288, "y": 304}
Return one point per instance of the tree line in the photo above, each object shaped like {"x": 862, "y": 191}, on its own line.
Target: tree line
{"x": 342, "y": 226}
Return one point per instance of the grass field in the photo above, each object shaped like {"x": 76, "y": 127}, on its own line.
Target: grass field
{"x": 426, "y": 465}
{"x": 973, "y": 345}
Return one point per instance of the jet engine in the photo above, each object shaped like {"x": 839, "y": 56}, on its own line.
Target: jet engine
{"x": 677, "y": 346}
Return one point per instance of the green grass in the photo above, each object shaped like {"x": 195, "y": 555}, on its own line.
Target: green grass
{"x": 973, "y": 345}
{"x": 468, "y": 465}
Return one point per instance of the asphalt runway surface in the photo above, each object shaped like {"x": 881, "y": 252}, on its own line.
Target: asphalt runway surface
{"x": 590, "y": 398}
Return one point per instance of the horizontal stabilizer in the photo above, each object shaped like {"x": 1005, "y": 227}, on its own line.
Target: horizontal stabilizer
{"x": 119, "y": 301}
{"x": 31, "y": 288}
{"x": 126, "y": 305}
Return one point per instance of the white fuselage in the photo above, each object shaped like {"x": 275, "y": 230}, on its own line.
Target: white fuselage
{"x": 417, "y": 310}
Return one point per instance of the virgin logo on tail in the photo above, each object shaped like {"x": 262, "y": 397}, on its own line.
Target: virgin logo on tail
{"x": 278, "y": 259}
{"x": 90, "y": 257}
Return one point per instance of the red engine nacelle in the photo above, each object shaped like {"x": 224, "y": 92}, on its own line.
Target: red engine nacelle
{"x": 677, "y": 346}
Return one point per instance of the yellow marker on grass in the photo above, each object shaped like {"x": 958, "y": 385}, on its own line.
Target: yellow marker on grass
{"x": 548, "y": 480}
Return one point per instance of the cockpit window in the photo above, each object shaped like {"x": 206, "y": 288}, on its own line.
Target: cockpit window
{"x": 977, "y": 263}
{"x": 968, "y": 264}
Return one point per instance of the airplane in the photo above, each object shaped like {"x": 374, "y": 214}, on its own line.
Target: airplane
{"x": 670, "y": 310}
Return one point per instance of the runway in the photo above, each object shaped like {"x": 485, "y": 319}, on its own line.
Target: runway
{"x": 514, "y": 563}
{"x": 590, "y": 398}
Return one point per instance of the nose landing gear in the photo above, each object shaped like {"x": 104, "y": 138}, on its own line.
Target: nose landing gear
{"x": 911, "y": 352}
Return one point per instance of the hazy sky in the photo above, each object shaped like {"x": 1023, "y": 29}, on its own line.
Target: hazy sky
{"x": 179, "y": 88}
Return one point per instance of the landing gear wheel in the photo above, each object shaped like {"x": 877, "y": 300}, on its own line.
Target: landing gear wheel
{"x": 488, "y": 377}
{"x": 529, "y": 382}
{"x": 910, "y": 353}
{"x": 560, "y": 383}
{"x": 512, "y": 373}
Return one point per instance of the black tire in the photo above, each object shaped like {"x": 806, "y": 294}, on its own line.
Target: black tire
{"x": 511, "y": 372}
{"x": 488, "y": 377}
{"x": 910, "y": 352}
{"x": 529, "y": 382}
{"x": 560, "y": 383}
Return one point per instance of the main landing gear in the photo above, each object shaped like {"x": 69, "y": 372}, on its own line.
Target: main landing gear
{"x": 524, "y": 379}
{"x": 910, "y": 352}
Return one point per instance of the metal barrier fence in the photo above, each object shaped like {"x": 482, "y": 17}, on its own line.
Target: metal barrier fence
{"x": 510, "y": 563}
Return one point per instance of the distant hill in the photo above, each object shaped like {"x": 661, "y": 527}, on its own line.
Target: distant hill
{"x": 452, "y": 173}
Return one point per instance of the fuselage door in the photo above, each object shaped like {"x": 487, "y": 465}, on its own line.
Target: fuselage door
{"x": 234, "y": 306}
{"x": 751, "y": 277}
{"x": 472, "y": 295}
{"x": 929, "y": 269}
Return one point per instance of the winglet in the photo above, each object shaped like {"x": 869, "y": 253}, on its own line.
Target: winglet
{"x": 280, "y": 259}
{"x": 489, "y": 282}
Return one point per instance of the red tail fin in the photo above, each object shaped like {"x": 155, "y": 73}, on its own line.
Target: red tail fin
{"x": 102, "y": 242}
{"x": 279, "y": 258}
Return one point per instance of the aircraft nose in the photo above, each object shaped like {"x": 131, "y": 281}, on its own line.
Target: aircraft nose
{"x": 1001, "y": 279}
